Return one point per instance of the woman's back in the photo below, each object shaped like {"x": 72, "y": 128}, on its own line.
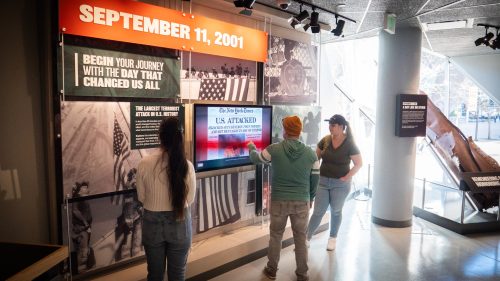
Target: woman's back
{"x": 153, "y": 185}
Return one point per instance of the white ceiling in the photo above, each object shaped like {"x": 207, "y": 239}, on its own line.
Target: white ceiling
{"x": 369, "y": 17}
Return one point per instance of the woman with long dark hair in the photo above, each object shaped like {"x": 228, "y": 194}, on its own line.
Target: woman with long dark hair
{"x": 336, "y": 150}
{"x": 166, "y": 185}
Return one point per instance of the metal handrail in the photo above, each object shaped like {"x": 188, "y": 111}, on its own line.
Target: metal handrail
{"x": 434, "y": 152}
{"x": 352, "y": 101}
{"x": 462, "y": 210}
{"x": 440, "y": 160}
{"x": 437, "y": 156}
{"x": 438, "y": 184}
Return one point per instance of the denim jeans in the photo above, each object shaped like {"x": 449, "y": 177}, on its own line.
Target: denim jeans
{"x": 331, "y": 192}
{"x": 298, "y": 211}
{"x": 164, "y": 237}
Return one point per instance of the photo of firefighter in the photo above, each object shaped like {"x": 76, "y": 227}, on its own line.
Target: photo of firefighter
{"x": 128, "y": 231}
{"x": 82, "y": 228}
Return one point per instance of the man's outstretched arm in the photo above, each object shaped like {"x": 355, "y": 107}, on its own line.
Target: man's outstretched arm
{"x": 256, "y": 157}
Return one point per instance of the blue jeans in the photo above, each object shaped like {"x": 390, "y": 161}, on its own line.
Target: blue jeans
{"x": 298, "y": 211}
{"x": 164, "y": 237}
{"x": 331, "y": 192}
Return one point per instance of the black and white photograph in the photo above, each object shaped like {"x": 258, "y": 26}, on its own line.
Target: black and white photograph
{"x": 96, "y": 147}
{"x": 311, "y": 122}
{"x": 247, "y": 194}
{"x": 222, "y": 200}
{"x": 216, "y": 202}
{"x": 208, "y": 77}
{"x": 102, "y": 231}
{"x": 291, "y": 75}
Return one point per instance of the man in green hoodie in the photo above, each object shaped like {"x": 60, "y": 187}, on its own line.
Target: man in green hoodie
{"x": 295, "y": 177}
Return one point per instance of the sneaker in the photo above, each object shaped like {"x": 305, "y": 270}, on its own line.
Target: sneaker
{"x": 331, "y": 244}
{"x": 269, "y": 273}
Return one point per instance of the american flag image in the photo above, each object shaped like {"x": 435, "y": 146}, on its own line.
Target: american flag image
{"x": 217, "y": 201}
{"x": 121, "y": 152}
{"x": 228, "y": 89}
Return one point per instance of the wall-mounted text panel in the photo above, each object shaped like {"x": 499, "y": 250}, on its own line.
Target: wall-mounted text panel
{"x": 96, "y": 72}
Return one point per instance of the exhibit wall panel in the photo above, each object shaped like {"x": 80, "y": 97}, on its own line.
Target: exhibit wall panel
{"x": 291, "y": 75}
{"x": 100, "y": 149}
{"x": 217, "y": 78}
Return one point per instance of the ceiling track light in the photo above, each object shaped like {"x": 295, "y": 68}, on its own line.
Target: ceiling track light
{"x": 247, "y": 6}
{"x": 313, "y": 21}
{"x": 298, "y": 19}
{"x": 315, "y": 29}
{"x": 314, "y": 7}
{"x": 339, "y": 28}
{"x": 486, "y": 40}
{"x": 495, "y": 44}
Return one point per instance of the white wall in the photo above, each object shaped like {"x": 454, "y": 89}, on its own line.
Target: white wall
{"x": 484, "y": 70}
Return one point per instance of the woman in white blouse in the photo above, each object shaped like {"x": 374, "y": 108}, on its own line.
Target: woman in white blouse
{"x": 166, "y": 185}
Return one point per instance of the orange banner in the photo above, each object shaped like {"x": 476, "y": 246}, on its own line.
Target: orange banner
{"x": 136, "y": 22}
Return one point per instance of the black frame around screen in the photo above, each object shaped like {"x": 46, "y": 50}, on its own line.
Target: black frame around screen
{"x": 222, "y": 164}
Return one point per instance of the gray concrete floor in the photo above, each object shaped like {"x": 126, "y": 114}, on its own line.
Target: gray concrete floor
{"x": 369, "y": 252}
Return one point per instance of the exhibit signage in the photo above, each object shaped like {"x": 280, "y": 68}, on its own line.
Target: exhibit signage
{"x": 145, "y": 119}
{"x": 95, "y": 72}
{"x": 136, "y": 22}
{"x": 481, "y": 182}
{"x": 411, "y": 115}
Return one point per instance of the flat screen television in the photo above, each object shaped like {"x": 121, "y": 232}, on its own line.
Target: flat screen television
{"x": 221, "y": 134}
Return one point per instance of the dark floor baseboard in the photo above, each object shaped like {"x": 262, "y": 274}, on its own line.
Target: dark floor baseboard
{"x": 390, "y": 223}
{"x": 465, "y": 228}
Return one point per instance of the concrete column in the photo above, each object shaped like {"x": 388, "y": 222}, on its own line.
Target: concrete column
{"x": 394, "y": 163}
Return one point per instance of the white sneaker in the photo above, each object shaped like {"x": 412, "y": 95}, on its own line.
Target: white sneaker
{"x": 331, "y": 244}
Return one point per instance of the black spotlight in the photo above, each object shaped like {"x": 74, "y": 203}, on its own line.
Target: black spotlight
{"x": 495, "y": 44}
{"x": 306, "y": 26}
{"x": 314, "y": 22}
{"x": 486, "y": 39}
{"x": 244, "y": 3}
{"x": 299, "y": 18}
{"x": 337, "y": 31}
{"x": 479, "y": 41}
{"x": 239, "y": 3}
